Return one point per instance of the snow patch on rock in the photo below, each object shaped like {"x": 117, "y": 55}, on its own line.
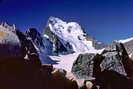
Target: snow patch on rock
{"x": 126, "y": 40}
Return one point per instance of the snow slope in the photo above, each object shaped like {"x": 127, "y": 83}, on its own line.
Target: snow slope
{"x": 126, "y": 40}
{"x": 65, "y": 61}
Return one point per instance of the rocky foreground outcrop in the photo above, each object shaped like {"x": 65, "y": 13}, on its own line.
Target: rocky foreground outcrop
{"x": 113, "y": 62}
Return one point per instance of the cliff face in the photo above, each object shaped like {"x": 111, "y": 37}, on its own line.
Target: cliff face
{"x": 42, "y": 45}
{"x": 115, "y": 58}
{"x": 128, "y": 43}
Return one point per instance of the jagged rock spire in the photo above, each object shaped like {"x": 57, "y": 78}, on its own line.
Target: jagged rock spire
{"x": 6, "y": 26}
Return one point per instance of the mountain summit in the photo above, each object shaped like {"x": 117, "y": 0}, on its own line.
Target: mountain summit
{"x": 69, "y": 37}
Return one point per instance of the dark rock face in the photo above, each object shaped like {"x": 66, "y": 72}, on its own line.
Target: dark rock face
{"x": 83, "y": 66}
{"x": 35, "y": 36}
{"x": 58, "y": 47}
{"x": 127, "y": 62}
{"x": 113, "y": 59}
{"x": 42, "y": 45}
{"x": 27, "y": 44}
{"x": 129, "y": 47}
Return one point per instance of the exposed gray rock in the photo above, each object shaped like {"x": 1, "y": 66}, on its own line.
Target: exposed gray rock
{"x": 83, "y": 66}
{"x": 129, "y": 47}
{"x": 58, "y": 46}
{"x": 42, "y": 45}
{"x": 112, "y": 58}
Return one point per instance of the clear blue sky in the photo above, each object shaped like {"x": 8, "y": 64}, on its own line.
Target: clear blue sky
{"x": 106, "y": 20}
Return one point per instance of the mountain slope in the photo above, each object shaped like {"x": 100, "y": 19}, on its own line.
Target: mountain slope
{"x": 42, "y": 45}
{"x": 69, "y": 37}
{"x": 65, "y": 61}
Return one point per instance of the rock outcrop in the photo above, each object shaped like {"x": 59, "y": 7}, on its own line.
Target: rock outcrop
{"x": 114, "y": 58}
{"x": 83, "y": 66}
{"x": 128, "y": 43}
{"x": 113, "y": 65}
{"x": 15, "y": 71}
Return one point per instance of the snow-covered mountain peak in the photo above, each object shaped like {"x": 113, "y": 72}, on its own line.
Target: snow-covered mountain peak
{"x": 54, "y": 20}
{"x": 61, "y": 28}
{"x": 70, "y": 36}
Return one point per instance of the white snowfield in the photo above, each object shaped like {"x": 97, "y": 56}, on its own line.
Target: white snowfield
{"x": 73, "y": 34}
{"x": 126, "y": 40}
{"x": 65, "y": 61}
